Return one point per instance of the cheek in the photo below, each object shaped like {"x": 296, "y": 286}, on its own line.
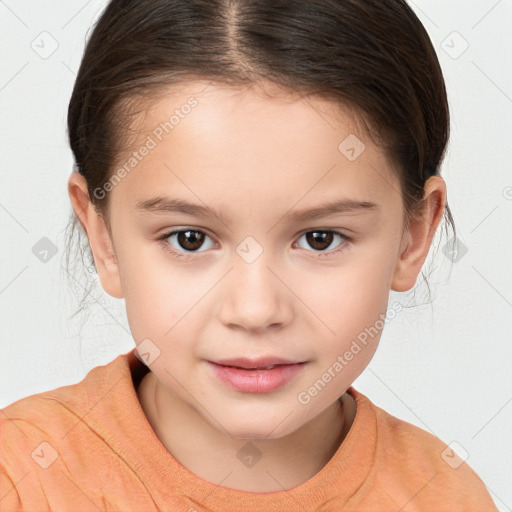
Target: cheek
{"x": 350, "y": 302}
{"x": 157, "y": 296}
{"x": 347, "y": 298}
{"x": 168, "y": 304}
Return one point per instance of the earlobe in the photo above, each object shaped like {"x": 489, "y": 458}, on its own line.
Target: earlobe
{"x": 104, "y": 255}
{"x": 418, "y": 237}
{"x": 406, "y": 273}
{"x": 98, "y": 235}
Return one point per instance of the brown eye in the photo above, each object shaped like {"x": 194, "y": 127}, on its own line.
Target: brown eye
{"x": 190, "y": 240}
{"x": 182, "y": 242}
{"x": 319, "y": 240}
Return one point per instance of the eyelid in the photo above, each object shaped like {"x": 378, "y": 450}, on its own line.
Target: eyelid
{"x": 184, "y": 227}
{"x": 339, "y": 231}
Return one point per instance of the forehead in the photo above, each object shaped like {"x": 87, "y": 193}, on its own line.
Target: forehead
{"x": 209, "y": 109}
{"x": 216, "y": 137}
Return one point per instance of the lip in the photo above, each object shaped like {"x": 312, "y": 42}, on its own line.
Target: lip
{"x": 256, "y": 363}
{"x": 256, "y": 381}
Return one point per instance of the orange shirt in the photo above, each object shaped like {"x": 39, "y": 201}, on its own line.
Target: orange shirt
{"x": 89, "y": 447}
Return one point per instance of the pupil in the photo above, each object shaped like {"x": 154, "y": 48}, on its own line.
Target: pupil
{"x": 321, "y": 238}
{"x": 190, "y": 240}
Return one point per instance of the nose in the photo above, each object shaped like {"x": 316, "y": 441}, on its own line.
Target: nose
{"x": 256, "y": 297}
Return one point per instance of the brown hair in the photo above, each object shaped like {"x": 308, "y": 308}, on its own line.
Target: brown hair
{"x": 373, "y": 56}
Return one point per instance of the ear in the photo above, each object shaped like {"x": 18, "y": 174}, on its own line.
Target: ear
{"x": 418, "y": 238}
{"x": 97, "y": 233}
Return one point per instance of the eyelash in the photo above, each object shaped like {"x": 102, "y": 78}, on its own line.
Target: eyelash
{"x": 344, "y": 245}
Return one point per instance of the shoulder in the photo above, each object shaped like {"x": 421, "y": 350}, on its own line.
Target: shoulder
{"x": 421, "y": 470}
{"x": 46, "y": 439}
{"x": 51, "y": 414}
{"x": 32, "y": 437}
{"x": 32, "y": 419}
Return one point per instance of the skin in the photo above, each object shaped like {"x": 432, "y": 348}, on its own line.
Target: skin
{"x": 255, "y": 159}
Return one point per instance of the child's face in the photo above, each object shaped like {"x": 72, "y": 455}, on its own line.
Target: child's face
{"x": 258, "y": 284}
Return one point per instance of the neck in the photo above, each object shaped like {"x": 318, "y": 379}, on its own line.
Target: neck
{"x": 281, "y": 464}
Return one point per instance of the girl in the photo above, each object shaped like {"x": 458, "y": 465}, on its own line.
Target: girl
{"x": 253, "y": 178}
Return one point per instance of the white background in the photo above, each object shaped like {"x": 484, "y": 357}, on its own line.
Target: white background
{"x": 444, "y": 367}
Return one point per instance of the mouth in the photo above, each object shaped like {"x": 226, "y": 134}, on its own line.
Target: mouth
{"x": 262, "y": 363}
{"x": 256, "y": 379}
{"x": 271, "y": 367}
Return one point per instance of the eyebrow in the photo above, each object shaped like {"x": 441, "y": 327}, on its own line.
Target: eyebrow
{"x": 170, "y": 205}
